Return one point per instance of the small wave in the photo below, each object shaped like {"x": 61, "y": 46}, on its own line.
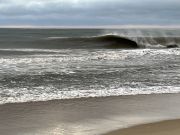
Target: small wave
{"x": 25, "y": 51}
{"x": 26, "y": 95}
{"x": 57, "y": 37}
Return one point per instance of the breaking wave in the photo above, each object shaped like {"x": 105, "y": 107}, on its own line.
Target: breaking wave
{"x": 106, "y": 41}
{"x": 117, "y": 41}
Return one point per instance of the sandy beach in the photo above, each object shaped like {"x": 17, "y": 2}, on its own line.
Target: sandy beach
{"x": 90, "y": 116}
{"x": 89, "y": 67}
{"x": 171, "y": 127}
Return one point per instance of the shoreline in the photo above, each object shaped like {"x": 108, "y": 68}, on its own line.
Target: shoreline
{"x": 168, "y": 127}
{"x": 87, "y": 116}
{"x": 85, "y": 98}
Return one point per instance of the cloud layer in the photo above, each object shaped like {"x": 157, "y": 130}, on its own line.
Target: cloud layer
{"x": 89, "y": 12}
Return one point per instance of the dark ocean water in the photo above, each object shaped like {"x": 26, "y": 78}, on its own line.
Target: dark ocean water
{"x": 46, "y": 64}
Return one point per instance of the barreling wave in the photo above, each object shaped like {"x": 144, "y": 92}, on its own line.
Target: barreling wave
{"x": 108, "y": 41}
{"x": 104, "y": 41}
{"x": 111, "y": 41}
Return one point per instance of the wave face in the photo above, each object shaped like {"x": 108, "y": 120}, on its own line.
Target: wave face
{"x": 96, "y": 42}
{"x": 38, "y": 73}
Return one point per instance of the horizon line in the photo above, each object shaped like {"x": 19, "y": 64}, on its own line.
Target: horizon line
{"x": 90, "y": 27}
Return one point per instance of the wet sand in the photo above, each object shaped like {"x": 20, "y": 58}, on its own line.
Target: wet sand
{"x": 171, "y": 127}
{"x": 91, "y": 116}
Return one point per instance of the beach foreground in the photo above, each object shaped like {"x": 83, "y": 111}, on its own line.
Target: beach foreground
{"x": 89, "y": 116}
{"x": 171, "y": 127}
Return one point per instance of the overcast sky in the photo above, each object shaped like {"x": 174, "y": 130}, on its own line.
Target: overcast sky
{"x": 89, "y": 12}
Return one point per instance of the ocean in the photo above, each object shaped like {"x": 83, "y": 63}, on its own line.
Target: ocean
{"x": 49, "y": 64}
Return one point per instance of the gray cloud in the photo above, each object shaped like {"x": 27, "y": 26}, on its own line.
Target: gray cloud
{"x": 89, "y": 12}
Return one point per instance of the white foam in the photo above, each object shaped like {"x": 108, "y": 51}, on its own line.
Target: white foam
{"x": 51, "y": 93}
{"x": 68, "y": 62}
